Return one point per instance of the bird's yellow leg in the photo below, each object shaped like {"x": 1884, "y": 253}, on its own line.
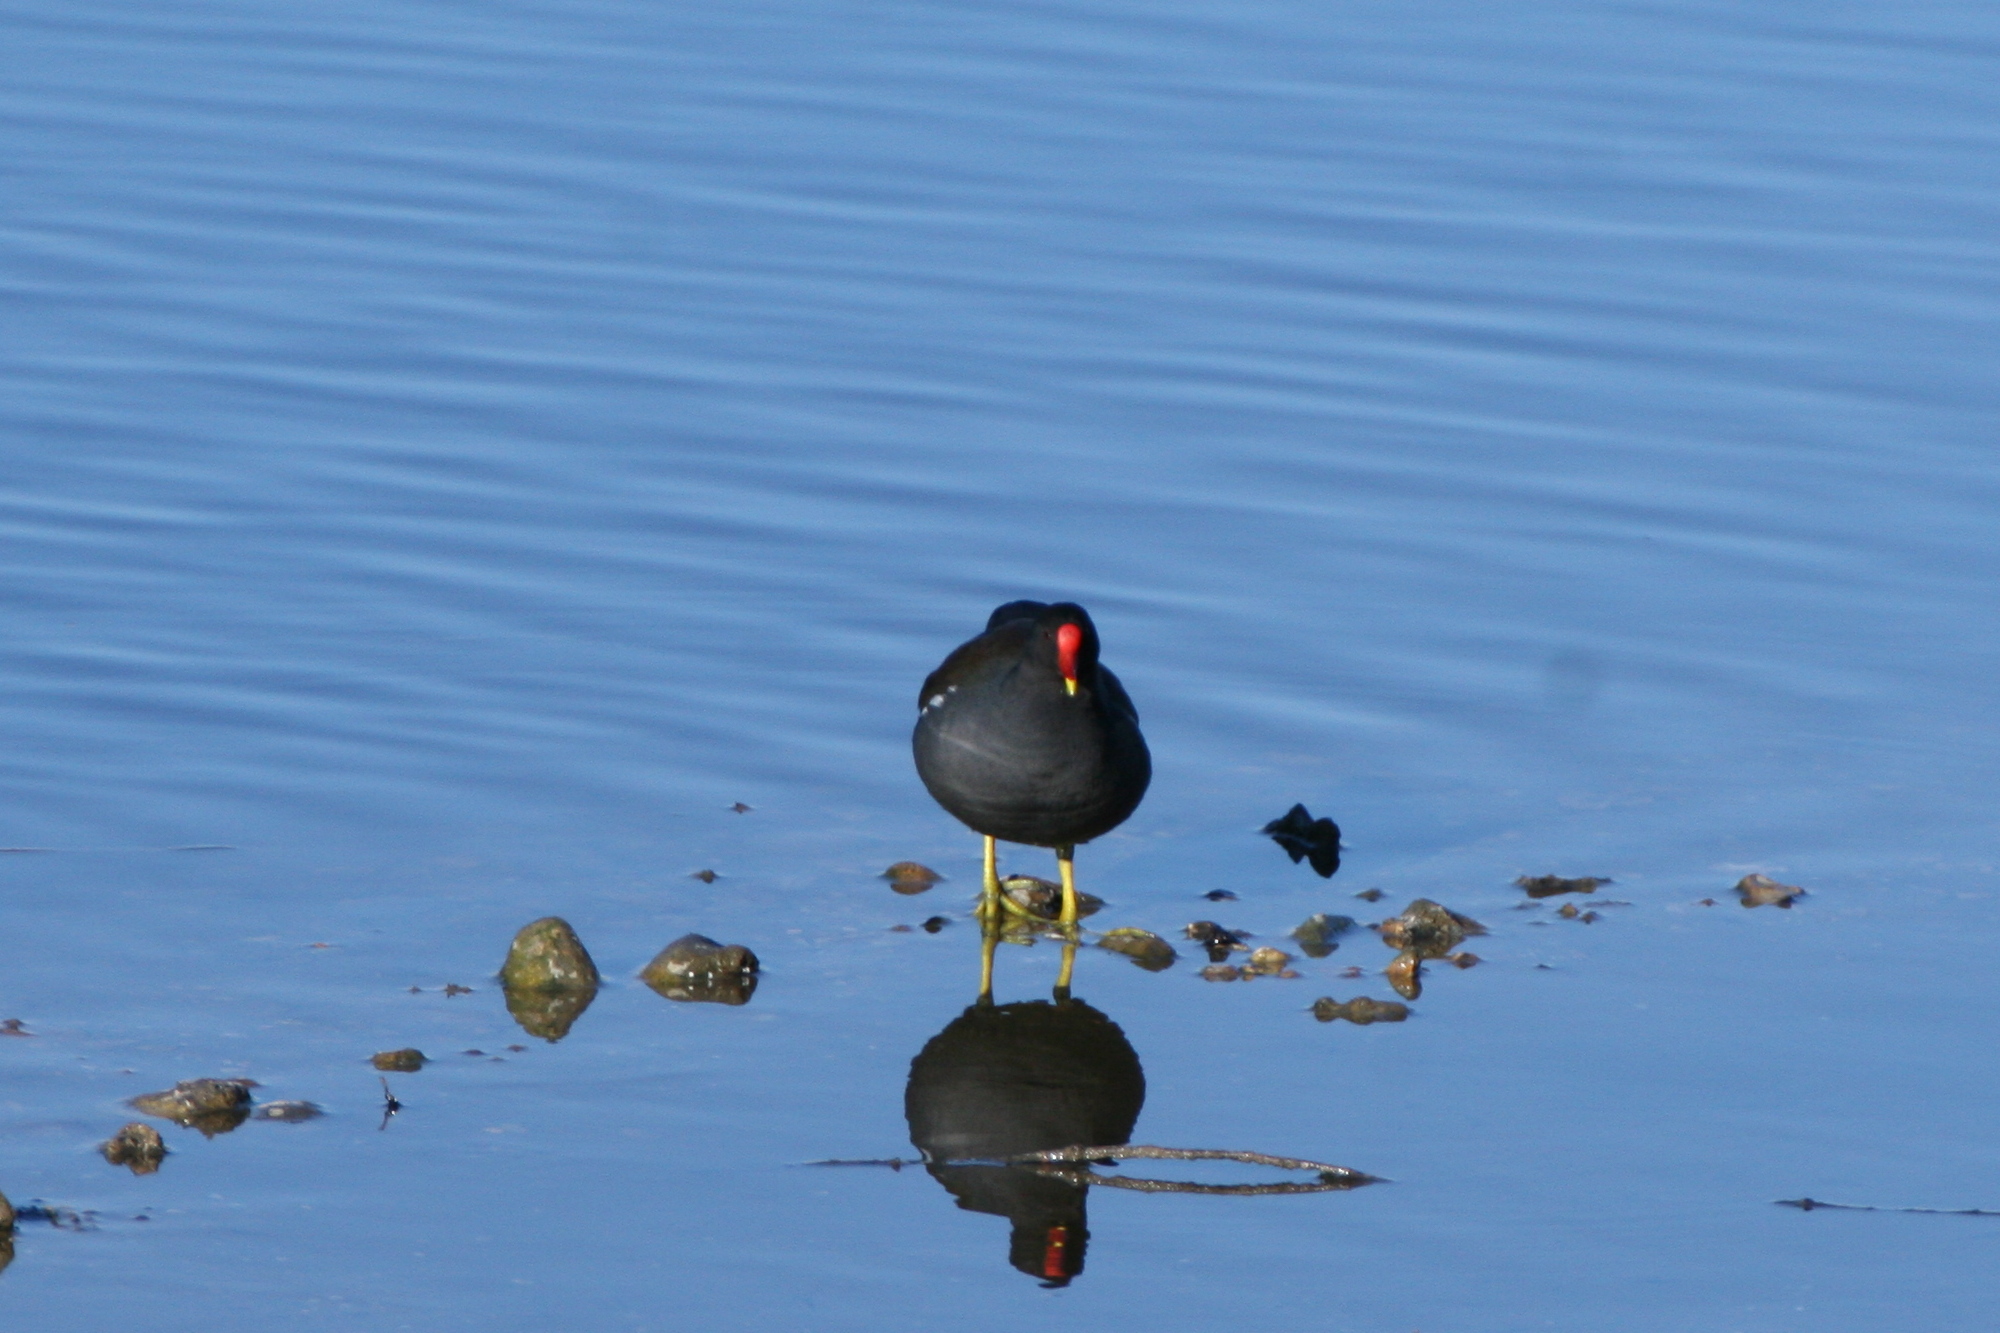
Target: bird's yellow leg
{"x": 1066, "y": 862}
{"x": 989, "y": 938}
{"x": 989, "y": 905}
{"x": 1068, "y": 966}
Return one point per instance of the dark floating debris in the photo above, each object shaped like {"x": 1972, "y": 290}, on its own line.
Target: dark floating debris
{"x": 1143, "y": 947}
{"x": 406, "y": 1061}
{"x": 1548, "y": 886}
{"x": 1307, "y": 839}
{"x": 902, "y": 930}
{"x": 1220, "y": 896}
{"x": 705, "y": 876}
{"x": 1318, "y": 935}
{"x": 1360, "y": 1010}
{"x": 1808, "y": 1205}
{"x": 695, "y": 969}
{"x": 1370, "y": 895}
{"x": 932, "y": 925}
{"x": 287, "y": 1113}
{"x": 138, "y": 1147}
{"x": 1215, "y": 939}
{"x": 211, "y": 1105}
{"x": 1351, "y": 973}
{"x": 452, "y": 988}
{"x": 1041, "y": 899}
{"x": 741, "y": 808}
{"x": 11, "y": 1027}
{"x": 549, "y": 978}
{"x": 909, "y": 877}
{"x": 1763, "y": 891}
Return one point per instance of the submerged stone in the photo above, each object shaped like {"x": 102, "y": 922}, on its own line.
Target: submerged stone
{"x": 909, "y": 877}
{"x": 1406, "y": 974}
{"x": 1360, "y": 1010}
{"x": 211, "y": 1105}
{"x": 1548, "y": 886}
{"x": 695, "y": 969}
{"x": 289, "y": 1113}
{"x": 1763, "y": 891}
{"x": 1041, "y": 899}
{"x": 1143, "y": 947}
{"x": 406, "y": 1061}
{"x": 1318, "y": 934}
{"x": 1428, "y": 930}
{"x": 1220, "y": 972}
{"x": 1267, "y": 962}
{"x": 137, "y": 1146}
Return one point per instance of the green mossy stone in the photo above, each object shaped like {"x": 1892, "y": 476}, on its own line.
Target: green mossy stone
{"x": 406, "y": 1061}
{"x": 547, "y": 955}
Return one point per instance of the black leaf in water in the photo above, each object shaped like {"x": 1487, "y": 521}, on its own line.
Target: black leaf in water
{"x": 1307, "y": 839}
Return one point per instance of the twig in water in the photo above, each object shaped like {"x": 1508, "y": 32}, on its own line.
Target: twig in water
{"x": 1808, "y": 1205}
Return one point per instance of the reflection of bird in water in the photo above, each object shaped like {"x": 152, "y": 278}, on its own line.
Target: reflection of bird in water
{"x": 1014, "y": 1078}
{"x": 1024, "y": 737}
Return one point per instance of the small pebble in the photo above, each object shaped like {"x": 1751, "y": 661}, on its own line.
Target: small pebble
{"x": 1220, "y": 972}
{"x": 137, "y": 1146}
{"x": 908, "y": 877}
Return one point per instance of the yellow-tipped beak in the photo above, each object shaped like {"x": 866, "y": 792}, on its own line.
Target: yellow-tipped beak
{"x": 1069, "y": 683}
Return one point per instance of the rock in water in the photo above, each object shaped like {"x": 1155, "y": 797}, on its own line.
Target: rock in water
{"x": 6, "y": 1216}
{"x": 1428, "y": 930}
{"x": 547, "y": 955}
{"x": 1306, "y": 838}
{"x": 695, "y": 969}
{"x": 1318, "y": 934}
{"x": 1143, "y": 947}
{"x": 136, "y": 1146}
{"x": 549, "y": 978}
{"x": 1360, "y": 1009}
{"x": 211, "y": 1105}
{"x": 1763, "y": 891}
{"x": 406, "y": 1061}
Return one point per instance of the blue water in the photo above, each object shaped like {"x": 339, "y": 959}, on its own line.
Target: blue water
{"x": 453, "y": 453}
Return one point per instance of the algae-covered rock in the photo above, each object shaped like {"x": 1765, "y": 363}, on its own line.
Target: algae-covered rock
{"x": 695, "y": 969}
{"x": 1268, "y": 962}
{"x": 1041, "y": 899}
{"x": 1143, "y": 947}
{"x": 1428, "y": 930}
{"x": 1318, "y": 935}
{"x": 548, "y": 978}
{"x": 911, "y": 877}
{"x": 1548, "y": 886}
{"x": 1220, "y": 972}
{"x": 6, "y": 1216}
{"x": 1406, "y": 974}
{"x": 211, "y": 1105}
{"x": 1763, "y": 891}
{"x": 547, "y": 955}
{"x": 408, "y": 1060}
{"x": 1360, "y": 1009}
{"x": 137, "y": 1146}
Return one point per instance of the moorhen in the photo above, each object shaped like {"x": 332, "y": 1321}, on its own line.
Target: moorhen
{"x": 1024, "y": 737}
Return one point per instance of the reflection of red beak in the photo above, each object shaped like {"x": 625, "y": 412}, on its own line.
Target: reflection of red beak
{"x": 1057, "y": 1248}
{"x": 1068, "y": 640}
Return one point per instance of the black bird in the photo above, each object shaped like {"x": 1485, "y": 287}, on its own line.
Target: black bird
{"x": 1023, "y": 736}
